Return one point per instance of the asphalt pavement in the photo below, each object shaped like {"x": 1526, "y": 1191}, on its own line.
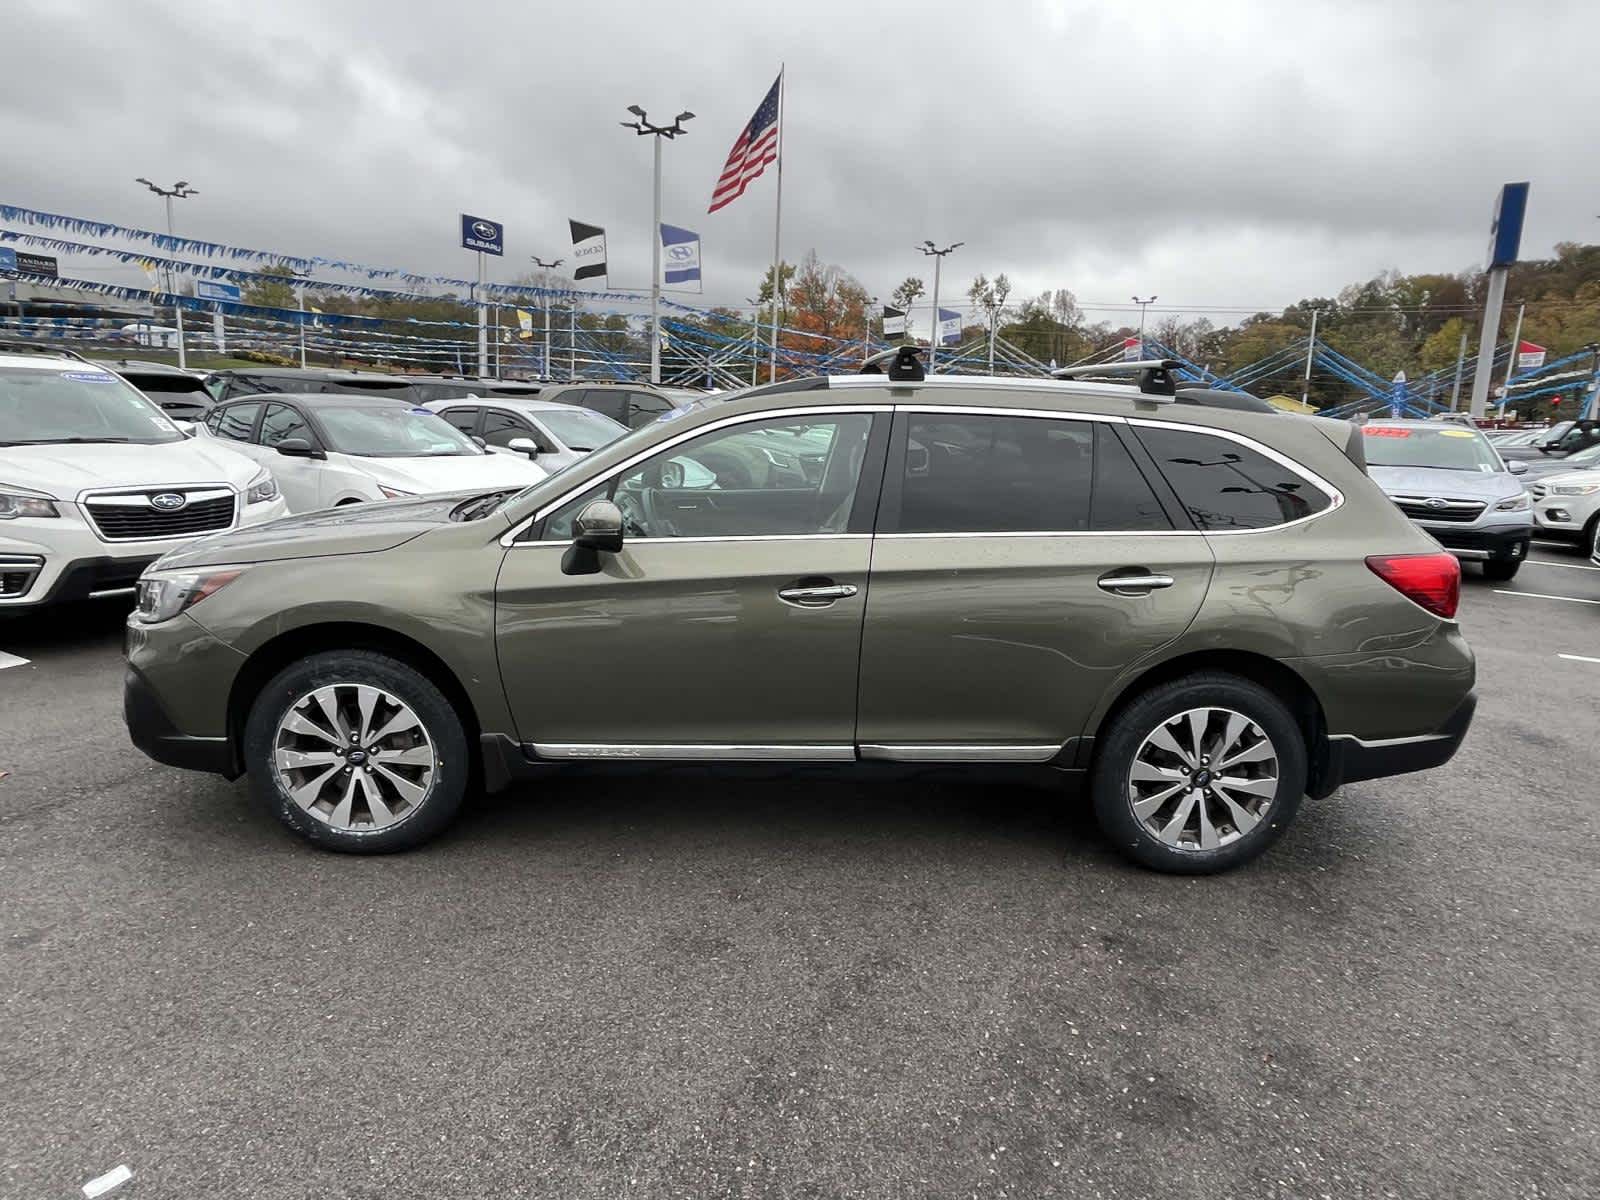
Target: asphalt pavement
{"x": 697, "y": 988}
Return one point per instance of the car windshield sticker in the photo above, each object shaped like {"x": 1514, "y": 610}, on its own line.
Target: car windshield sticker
{"x": 1384, "y": 431}
{"x": 89, "y": 376}
{"x": 1458, "y": 433}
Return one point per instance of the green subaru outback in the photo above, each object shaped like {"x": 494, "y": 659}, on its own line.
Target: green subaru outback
{"x": 1202, "y": 614}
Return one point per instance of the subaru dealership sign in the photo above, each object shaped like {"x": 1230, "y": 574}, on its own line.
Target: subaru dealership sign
{"x": 479, "y": 234}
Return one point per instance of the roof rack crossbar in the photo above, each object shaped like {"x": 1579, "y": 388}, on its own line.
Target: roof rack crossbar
{"x": 1156, "y": 376}
{"x": 902, "y": 363}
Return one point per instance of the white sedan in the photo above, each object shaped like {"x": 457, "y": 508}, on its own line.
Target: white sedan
{"x": 328, "y": 450}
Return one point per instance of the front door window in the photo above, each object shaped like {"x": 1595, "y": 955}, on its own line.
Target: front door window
{"x": 769, "y": 478}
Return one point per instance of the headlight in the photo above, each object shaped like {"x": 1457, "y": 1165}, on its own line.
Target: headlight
{"x": 390, "y": 493}
{"x": 1575, "y": 489}
{"x": 262, "y": 488}
{"x": 14, "y": 503}
{"x": 163, "y": 596}
{"x": 1518, "y": 503}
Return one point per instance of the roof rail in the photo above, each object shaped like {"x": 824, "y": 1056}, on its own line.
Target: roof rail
{"x": 23, "y": 346}
{"x": 1155, "y": 374}
{"x": 902, "y": 362}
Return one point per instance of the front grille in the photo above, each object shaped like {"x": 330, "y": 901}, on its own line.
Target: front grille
{"x": 129, "y": 522}
{"x": 1456, "y": 511}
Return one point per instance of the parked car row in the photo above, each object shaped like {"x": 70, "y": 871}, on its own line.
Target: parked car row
{"x": 104, "y": 467}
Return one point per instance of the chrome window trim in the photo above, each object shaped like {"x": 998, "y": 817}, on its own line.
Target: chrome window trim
{"x": 1336, "y": 497}
{"x": 1028, "y": 752}
{"x": 509, "y": 538}
{"x": 697, "y": 751}
{"x": 736, "y": 537}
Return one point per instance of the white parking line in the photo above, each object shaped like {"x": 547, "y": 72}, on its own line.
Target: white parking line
{"x": 1543, "y": 596}
{"x": 11, "y": 660}
{"x": 1578, "y": 658}
{"x": 1545, "y": 562}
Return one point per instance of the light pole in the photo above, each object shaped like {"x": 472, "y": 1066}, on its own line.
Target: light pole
{"x": 643, "y": 127}
{"x": 755, "y": 336}
{"x": 546, "y": 267}
{"x": 300, "y": 298}
{"x": 1143, "y": 304}
{"x": 937, "y": 254}
{"x": 182, "y": 191}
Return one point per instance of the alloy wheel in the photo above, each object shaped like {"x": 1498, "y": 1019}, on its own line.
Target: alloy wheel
{"x": 1203, "y": 779}
{"x": 355, "y": 757}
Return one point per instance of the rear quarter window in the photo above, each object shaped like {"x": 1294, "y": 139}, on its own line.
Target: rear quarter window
{"x": 1226, "y": 485}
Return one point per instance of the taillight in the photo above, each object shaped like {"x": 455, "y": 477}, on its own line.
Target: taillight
{"x": 1432, "y": 580}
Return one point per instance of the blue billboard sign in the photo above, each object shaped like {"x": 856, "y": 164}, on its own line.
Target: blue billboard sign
{"x": 207, "y": 289}
{"x": 1505, "y": 234}
{"x": 479, "y": 234}
{"x": 8, "y": 259}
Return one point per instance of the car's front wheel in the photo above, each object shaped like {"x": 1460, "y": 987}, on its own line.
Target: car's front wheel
{"x": 357, "y": 751}
{"x": 1199, "y": 774}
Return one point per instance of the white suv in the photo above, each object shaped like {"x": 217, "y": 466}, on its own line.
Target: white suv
{"x": 96, "y": 481}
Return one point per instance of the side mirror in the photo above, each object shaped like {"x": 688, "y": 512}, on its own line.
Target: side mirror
{"x": 478, "y": 441}
{"x": 524, "y": 445}
{"x": 1517, "y": 468}
{"x": 597, "y": 528}
{"x": 184, "y": 427}
{"x": 299, "y": 448}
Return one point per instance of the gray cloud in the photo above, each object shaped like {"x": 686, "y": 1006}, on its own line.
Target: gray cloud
{"x": 1225, "y": 154}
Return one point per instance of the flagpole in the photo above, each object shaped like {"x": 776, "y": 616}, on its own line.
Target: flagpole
{"x": 777, "y": 234}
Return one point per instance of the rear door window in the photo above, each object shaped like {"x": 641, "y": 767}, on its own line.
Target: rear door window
{"x": 1123, "y": 498}
{"x": 613, "y": 404}
{"x": 464, "y": 419}
{"x": 1225, "y": 485}
{"x": 991, "y": 474}
{"x": 235, "y": 421}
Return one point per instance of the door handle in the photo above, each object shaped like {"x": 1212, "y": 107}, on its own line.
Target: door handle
{"x": 819, "y": 596}
{"x": 1133, "y": 582}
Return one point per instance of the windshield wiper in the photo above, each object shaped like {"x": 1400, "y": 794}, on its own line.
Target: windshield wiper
{"x": 481, "y": 506}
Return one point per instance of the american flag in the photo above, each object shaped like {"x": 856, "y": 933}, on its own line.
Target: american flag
{"x": 757, "y": 146}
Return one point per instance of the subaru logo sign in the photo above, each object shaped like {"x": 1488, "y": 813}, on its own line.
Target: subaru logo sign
{"x": 168, "y": 501}
{"x": 483, "y": 235}
{"x": 1435, "y": 502}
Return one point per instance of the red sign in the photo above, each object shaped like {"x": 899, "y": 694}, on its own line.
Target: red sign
{"x": 1385, "y": 431}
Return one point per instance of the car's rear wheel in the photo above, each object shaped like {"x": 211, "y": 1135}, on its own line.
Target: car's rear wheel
{"x": 1199, "y": 774}
{"x": 357, "y": 751}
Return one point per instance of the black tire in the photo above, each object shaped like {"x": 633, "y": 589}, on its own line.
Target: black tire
{"x": 1501, "y": 569}
{"x": 1126, "y": 733}
{"x": 451, "y": 766}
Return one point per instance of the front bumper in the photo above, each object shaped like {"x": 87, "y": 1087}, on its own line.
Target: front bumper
{"x": 1563, "y": 516}
{"x": 1502, "y": 542}
{"x": 153, "y": 731}
{"x": 1349, "y": 759}
{"x": 58, "y": 559}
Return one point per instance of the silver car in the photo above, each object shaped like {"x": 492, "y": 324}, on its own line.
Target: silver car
{"x": 553, "y": 435}
{"x": 1451, "y": 482}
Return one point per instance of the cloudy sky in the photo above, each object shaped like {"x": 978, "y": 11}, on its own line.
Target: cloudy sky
{"x": 1229, "y": 155}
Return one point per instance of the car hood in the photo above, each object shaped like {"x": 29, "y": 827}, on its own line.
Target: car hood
{"x": 351, "y": 529}
{"x": 1567, "y": 478}
{"x": 1432, "y": 481}
{"x": 451, "y": 472}
{"x": 64, "y": 471}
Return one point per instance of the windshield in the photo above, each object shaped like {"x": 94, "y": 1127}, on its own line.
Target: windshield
{"x": 1445, "y": 448}
{"x": 52, "y": 406}
{"x": 391, "y": 431}
{"x": 1582, "y": 458}
{"x": 581, "y": 429}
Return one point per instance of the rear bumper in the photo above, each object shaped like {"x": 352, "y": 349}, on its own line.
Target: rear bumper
{"x": 1350, "y": 759}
